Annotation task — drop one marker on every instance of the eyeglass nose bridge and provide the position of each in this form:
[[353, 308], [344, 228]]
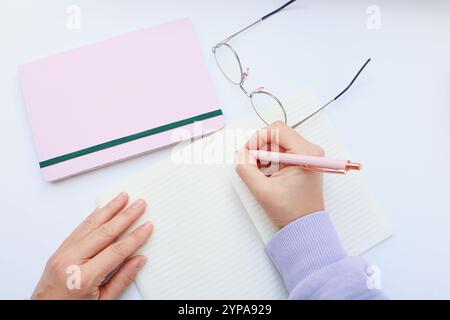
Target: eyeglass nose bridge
[[244, 76], [244, 90]]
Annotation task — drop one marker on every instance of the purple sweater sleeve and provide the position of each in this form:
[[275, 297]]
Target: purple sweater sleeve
[[314, 265]]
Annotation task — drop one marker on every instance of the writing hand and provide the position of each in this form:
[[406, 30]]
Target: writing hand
[[291, 192]]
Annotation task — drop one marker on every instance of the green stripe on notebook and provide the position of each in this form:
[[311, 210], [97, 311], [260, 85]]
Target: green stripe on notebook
[[129, 138]]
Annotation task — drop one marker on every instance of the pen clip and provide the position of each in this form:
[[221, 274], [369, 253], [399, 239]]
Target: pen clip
[[325, 170], [349, 166]]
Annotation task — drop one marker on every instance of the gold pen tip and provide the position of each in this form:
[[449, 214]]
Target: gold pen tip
[[354, 166]]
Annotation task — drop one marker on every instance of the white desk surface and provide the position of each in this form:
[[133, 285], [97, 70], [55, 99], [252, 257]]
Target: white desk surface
[[396, 120]]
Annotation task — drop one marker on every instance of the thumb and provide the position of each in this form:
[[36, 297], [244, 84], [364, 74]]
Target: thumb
[[248, 170]]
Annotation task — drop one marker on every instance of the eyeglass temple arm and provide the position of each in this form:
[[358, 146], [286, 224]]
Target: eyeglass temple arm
[[278, 10], [254, 23], [353, 80], [335, 98]]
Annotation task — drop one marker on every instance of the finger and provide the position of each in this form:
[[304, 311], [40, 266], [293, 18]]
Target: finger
[[248, 170], [277, 134], [110, 258], [122, 278], [110, 231], [97, 218]]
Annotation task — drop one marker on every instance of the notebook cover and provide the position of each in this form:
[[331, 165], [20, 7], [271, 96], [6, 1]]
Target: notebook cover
[[118, 98]]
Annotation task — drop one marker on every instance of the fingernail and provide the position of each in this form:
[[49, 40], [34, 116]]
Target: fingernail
[[141, 263], [146, 226], [139, 204], [120, 196]]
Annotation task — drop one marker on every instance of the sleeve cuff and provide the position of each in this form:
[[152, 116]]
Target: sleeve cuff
[[304, 246]]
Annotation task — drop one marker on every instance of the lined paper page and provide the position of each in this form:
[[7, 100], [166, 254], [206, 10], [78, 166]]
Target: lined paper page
[[359, 223], [204, 245]]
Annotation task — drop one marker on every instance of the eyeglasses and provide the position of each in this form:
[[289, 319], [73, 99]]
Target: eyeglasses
[[230, 64]]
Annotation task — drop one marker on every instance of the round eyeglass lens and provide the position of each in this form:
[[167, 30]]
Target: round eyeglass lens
[[228, 62], [268, 107]]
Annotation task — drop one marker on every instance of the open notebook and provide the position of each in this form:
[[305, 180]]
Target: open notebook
[[205, 246]]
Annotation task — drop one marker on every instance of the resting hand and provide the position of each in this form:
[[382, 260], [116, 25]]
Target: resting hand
[[82, 266]]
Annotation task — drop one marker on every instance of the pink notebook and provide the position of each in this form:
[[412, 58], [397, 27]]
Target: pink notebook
[[118, 98]]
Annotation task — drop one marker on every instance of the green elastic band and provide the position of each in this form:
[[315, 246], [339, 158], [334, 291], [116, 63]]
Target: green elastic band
[[129, 138]]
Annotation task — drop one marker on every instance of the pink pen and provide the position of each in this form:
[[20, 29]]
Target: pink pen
[[307, 162]]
